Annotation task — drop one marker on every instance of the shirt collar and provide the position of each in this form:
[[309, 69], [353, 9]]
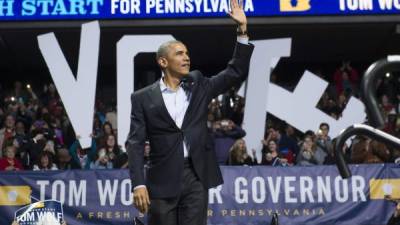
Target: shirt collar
[[163, 85]]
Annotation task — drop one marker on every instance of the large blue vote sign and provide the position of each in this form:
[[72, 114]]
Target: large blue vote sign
[[22, 10], [250, 195]]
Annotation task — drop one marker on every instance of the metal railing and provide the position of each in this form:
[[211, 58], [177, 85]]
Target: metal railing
[[375, 118]]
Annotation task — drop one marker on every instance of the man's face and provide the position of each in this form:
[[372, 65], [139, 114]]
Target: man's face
[[177, 60], [325, 130]]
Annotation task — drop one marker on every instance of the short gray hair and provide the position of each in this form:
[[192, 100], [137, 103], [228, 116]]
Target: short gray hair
[[164, 47]]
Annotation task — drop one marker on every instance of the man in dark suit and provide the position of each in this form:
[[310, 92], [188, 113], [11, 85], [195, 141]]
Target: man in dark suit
[[172, 115]]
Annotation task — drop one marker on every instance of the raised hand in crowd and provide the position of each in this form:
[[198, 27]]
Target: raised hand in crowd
[[31, 92], [49, 147], [38, 137]]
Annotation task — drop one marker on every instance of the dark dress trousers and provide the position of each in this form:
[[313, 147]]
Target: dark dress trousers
[[151, 121]]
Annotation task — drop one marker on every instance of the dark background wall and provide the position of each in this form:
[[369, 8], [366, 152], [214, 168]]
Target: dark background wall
[[318, 44]]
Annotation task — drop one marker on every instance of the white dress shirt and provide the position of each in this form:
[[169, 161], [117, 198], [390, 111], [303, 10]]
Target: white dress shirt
[[177, 103]]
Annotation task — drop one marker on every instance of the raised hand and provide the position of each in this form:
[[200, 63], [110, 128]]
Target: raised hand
[[237, 14]]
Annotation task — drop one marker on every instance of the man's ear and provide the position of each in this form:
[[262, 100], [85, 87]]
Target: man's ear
[[162, 62]]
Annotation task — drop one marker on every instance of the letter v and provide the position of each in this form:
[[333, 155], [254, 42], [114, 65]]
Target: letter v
[[78, 94]]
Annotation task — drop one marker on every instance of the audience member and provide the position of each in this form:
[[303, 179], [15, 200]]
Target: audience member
[[8, 162], [366, 150], [65, 161], [238, 155], [310, 154], [111, 147], [8, 132], [346, 79], [39, 129], [102, 161], [83, 156], [225, 133], [323, 141], [45, 162], [286, 144], [271, 155]]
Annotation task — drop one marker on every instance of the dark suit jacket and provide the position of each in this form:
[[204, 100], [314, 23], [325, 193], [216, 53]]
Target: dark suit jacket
[[151, 121], [393, 220]]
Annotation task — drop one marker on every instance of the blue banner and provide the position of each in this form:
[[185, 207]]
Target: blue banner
[[23, 10], [250, 195]]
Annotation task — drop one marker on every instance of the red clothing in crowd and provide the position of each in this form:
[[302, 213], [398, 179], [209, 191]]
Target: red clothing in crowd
[[338, 79], [4, 163], [8, 135]]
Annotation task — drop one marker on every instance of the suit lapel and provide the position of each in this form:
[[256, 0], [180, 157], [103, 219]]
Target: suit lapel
[[157, 99], [192, 102]]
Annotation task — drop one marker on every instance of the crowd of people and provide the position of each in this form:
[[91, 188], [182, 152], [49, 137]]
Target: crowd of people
[[36, 134], [283, 145]]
